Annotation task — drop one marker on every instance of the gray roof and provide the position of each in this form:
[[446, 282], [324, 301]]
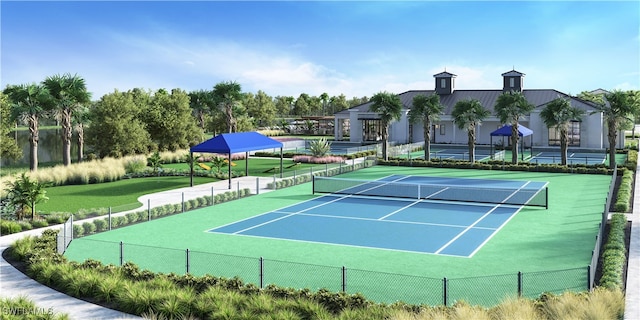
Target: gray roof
[[538, 97], [513, 73], [444, 75]]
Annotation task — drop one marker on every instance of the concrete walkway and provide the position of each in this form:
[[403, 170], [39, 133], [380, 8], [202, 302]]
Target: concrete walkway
[[14, 283], [632, 303]]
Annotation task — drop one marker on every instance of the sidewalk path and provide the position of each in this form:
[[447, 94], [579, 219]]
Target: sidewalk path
[[14, 283]]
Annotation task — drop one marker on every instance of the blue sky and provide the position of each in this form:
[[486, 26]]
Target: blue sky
[[354, 48]]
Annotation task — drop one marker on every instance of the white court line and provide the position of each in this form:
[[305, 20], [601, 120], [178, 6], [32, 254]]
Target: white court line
[[478, 221]]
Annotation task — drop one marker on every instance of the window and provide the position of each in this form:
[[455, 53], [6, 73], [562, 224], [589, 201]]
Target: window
[[442, 130], [443, 83], [512, 82], [371, 130], [573, 135]]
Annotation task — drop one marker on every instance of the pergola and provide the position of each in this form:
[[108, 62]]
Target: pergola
[[505, 131], [230, 143]]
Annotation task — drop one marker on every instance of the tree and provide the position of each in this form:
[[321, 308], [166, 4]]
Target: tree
[[226, 95], [324, 97], [301, 105], [509, 107], [617, 109], [24, 192], [558, 114], [467, 114], [426, 109], [260, 108], [29, 102], [201, 102], [9, 149], [338, 103], [80, 119], [389, 107], [155, 162], [69, 93], [284, 105], [169, 121], [116, 129]]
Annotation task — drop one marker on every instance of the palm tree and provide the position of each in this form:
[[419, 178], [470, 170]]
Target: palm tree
[[509, 107], [617, 109], [226, 95], [324, 97], [427, 109], [81, 118], [69, 93], [389, 107], [468, 114], [558, 114], [24, 192], [28, 103]]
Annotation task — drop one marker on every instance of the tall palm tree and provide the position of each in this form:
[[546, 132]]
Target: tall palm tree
[[617, 109], [29, 102], [80, 119], [226, 96], [510, 107], [389, 107], [467, 114], [427, 109], [558, 114], [324, 97], [69, 93]]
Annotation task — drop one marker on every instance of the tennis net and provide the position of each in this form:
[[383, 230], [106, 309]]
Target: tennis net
[[537, 197]]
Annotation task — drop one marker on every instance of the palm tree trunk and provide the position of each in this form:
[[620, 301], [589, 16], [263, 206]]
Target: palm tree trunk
[[427, 139], [611, 134], [385, 139], [33, 142], [563, 145], [80, 130], [67, 132], [471, 134], [514, 142]]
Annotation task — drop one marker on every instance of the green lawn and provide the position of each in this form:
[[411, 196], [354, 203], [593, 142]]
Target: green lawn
[[123, 194], [552, 248]]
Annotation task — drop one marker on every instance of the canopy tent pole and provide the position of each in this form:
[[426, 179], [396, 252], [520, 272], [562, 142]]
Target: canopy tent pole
[[281, 162], [191, 169], [229, 161], [491, 147], [246, 163]]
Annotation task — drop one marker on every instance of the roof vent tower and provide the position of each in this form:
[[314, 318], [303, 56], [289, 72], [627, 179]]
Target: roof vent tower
[[512, 81], [445, 82]]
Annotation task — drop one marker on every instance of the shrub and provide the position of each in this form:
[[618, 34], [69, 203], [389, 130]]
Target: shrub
[[614, 255], [134, 165], [78, 230], [89, 228], [39, 223], [25, 225], [623, 199], [101, 224], [9, 227], [319, 148]]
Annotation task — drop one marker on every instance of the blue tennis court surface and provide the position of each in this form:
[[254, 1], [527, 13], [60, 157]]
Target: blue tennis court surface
[[414, 225]]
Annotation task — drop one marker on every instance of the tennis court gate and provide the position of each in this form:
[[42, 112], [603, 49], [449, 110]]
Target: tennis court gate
[[65, 236]]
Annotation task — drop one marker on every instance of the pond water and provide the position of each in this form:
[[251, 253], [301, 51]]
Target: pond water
[[49, 146]]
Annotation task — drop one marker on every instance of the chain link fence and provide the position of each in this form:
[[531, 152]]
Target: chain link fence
[[376, 286]]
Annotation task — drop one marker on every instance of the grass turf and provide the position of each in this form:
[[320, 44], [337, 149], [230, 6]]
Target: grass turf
[[123, 194], [551, 247]]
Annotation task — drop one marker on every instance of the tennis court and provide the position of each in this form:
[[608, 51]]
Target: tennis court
[[393, 212], [572, 158], [532, 240]]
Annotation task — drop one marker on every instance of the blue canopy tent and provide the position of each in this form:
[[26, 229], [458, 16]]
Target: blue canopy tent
[[505, 131], [229, 143]]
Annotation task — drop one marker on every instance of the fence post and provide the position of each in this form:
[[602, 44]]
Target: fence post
[[444, 291], [188, 264], [109, 218], [257, 185], [589, 276], [274, 181], [149, 209], [121, 254], [261, 273], [326, 169], [183, 202], [344, 279], [238, 187], [519, 284], [213, 198]]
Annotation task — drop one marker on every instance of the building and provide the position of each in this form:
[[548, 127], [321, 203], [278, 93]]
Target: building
[[365, 125]]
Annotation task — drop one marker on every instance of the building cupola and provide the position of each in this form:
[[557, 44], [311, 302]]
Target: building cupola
[[512, 81], [445, 82]]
